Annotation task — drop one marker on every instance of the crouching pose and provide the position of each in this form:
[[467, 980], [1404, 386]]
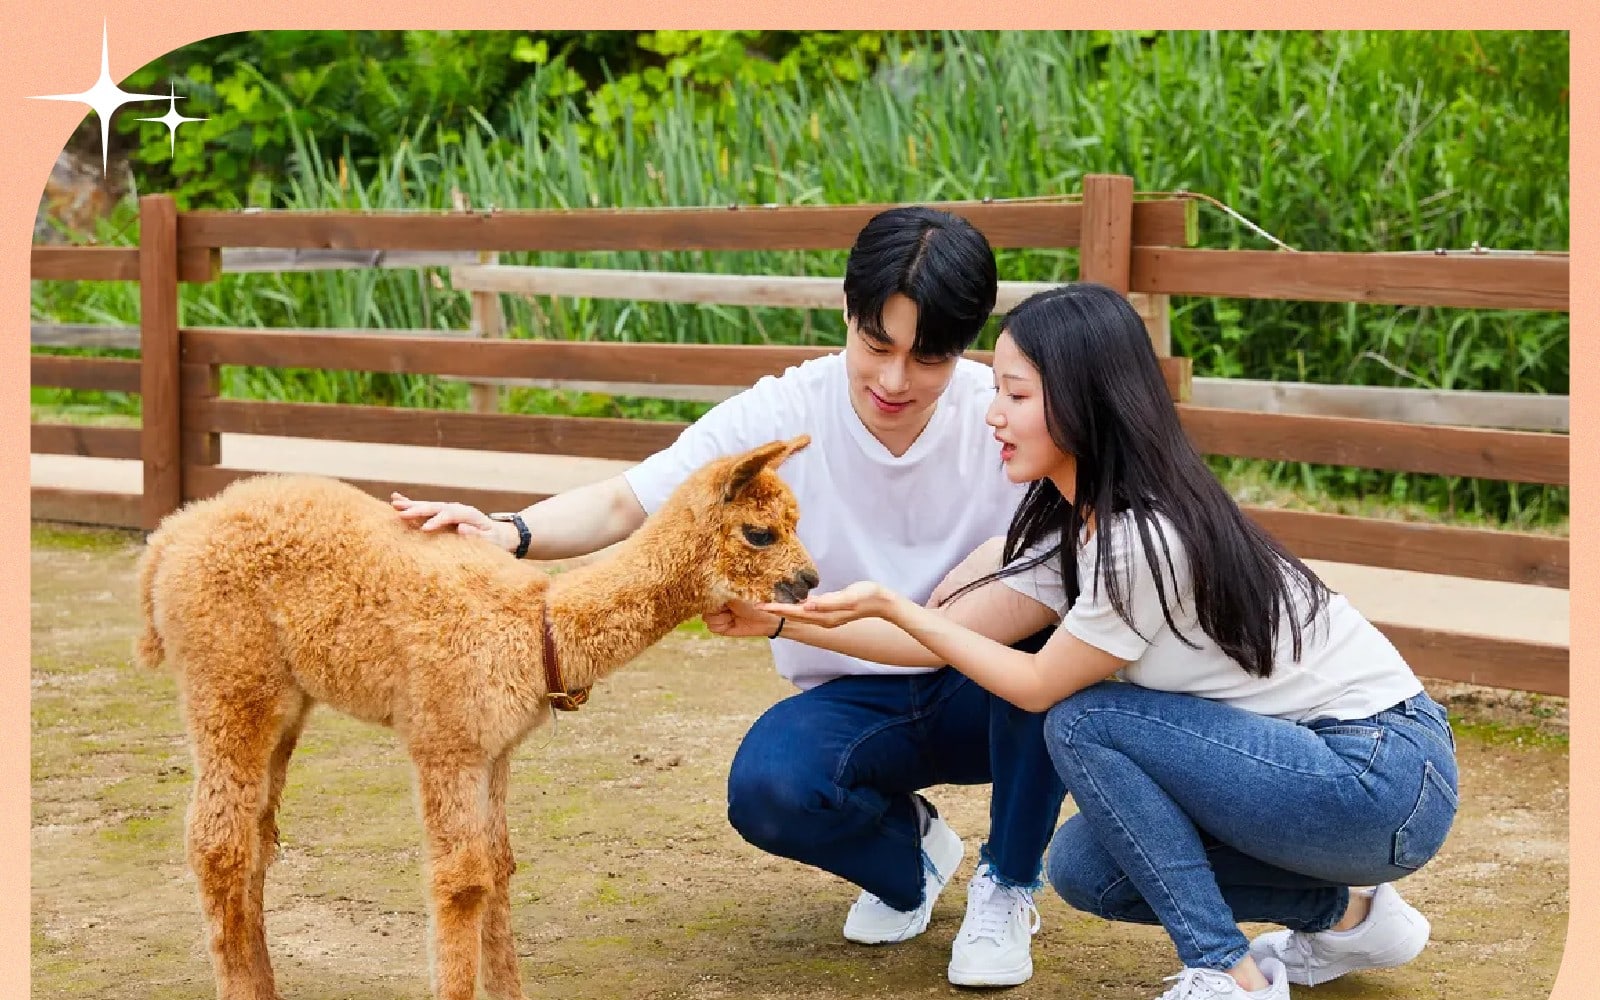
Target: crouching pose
[[1266, 749]]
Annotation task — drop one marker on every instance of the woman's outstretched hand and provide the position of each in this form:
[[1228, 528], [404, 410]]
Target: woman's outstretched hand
[[859, 600]]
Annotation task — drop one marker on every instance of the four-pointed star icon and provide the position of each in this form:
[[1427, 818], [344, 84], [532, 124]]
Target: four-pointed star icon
[[105, 97]]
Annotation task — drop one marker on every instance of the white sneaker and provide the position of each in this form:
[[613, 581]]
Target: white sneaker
[[1392, 934], [872, 921], [992, 947], [1210, 984]]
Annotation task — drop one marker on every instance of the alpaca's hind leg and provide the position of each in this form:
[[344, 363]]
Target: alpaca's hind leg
[[501, 978], [233, 745], [453, 793], [296, 709]]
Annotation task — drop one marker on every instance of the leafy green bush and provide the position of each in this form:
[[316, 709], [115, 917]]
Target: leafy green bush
[[354, 94]]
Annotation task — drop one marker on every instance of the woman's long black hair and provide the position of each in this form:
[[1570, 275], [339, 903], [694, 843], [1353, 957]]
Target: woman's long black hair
[[1107, 405]]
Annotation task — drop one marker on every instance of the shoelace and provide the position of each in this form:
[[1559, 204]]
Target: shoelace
[[1304, 945], [994, 908], [1199, 984]]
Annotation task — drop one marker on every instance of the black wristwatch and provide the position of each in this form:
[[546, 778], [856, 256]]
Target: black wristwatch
[[523, 536]]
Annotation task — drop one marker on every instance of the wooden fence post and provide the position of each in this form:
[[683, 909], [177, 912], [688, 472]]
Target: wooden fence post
[[487, 320], [199, 388], [1155, 308], [1105, 255], [160, 438]]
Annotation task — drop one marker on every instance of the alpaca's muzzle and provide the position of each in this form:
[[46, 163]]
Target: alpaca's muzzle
[[796, 588]]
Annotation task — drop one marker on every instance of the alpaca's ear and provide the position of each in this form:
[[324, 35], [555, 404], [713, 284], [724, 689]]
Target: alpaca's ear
[[747, 466]]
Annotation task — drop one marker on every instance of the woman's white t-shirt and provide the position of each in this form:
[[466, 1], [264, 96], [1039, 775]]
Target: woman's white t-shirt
[[1347, 668], [865, 514]]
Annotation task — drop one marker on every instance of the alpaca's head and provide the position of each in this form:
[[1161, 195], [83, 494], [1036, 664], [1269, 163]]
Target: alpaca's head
[[749, 515]]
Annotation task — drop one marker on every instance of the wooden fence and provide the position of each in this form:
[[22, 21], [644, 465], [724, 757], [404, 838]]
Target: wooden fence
[[1139, 247]]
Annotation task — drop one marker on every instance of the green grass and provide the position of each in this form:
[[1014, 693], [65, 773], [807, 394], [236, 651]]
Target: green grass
[[695, 627], [80, 539], [1494, 733]]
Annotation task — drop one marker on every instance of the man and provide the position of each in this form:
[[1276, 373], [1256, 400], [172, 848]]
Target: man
[[901, 481]]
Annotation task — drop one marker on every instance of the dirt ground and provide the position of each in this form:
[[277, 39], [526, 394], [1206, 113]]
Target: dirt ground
[[631, 882]]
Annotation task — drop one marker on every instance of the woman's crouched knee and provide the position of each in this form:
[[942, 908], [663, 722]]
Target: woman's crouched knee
[[1085, 878]]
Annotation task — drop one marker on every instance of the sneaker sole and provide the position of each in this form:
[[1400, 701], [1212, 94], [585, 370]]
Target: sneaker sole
[[1001, 977], [1331, 972], [905, 935]]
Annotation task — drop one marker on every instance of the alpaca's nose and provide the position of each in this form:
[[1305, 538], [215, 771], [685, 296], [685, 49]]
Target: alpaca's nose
[[796, 588]]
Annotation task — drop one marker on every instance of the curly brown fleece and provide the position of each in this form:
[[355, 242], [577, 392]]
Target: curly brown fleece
[[284, 591]]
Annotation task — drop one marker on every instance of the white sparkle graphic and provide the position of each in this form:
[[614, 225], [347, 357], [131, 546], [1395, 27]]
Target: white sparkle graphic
[[172, 120], [105, 97]]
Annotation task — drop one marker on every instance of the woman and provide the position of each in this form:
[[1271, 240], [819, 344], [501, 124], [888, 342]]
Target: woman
[[1269, 748]]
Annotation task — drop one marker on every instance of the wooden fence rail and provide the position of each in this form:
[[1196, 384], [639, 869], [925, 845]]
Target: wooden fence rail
[[805, 227], [1473, 553], [597, 361], [1393, 278], [780, 291], [1455, 407]]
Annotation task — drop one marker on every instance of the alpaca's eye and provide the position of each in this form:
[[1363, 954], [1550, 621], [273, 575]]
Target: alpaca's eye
[[759, 537]]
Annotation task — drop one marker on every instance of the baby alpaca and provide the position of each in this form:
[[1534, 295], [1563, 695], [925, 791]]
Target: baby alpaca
[[284, 591]]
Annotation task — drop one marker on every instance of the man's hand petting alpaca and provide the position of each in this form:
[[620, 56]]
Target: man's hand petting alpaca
[[466, 520], [739, 620]]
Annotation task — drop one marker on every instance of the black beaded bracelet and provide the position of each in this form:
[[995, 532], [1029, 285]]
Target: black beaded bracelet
[[524, 536]]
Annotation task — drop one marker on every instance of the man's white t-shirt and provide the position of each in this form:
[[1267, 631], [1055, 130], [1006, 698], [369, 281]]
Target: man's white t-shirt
[[1347, 669], [865, 514]]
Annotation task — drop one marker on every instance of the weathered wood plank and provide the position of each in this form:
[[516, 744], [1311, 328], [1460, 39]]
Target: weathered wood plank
[[78, 439], [1541, 667], [1511, 456], [591, 437], [791, 227], [63, 372], [159, 377], [196, 264], [1488, 282], [1475, 553], [202, 481], [112, 510]]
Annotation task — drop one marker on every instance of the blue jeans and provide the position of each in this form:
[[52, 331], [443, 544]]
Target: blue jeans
[[1198, 816], [825, 777]]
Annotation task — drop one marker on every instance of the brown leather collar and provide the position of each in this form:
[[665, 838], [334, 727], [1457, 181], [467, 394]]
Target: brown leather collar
[[560, 697]]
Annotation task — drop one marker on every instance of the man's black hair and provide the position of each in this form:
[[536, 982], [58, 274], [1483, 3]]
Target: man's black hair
[[939, 261]]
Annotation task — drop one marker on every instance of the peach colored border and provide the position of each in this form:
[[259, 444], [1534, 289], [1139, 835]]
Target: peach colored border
[[55, 52], [1580, 966]]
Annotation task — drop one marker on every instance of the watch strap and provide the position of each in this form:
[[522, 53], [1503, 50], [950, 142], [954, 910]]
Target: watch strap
[[524, 536]]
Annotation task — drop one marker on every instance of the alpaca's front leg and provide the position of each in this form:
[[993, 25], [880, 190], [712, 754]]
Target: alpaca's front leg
[[461, 873], [501, 978]]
